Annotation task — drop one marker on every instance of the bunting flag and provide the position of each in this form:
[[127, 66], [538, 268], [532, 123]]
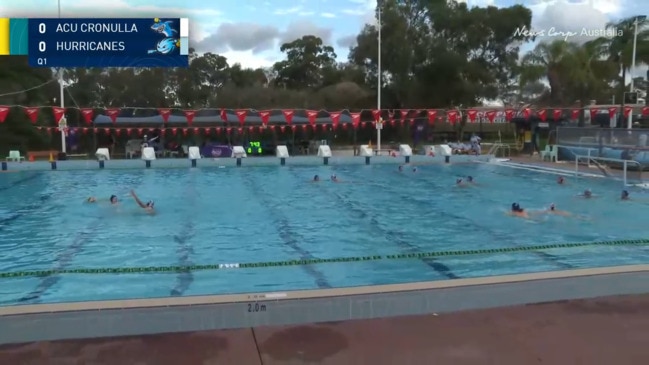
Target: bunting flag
[[593, 113], [335, 119], [4, 111], [224, 115], [432, 115], [189, 115], [574, 114], [627, 111], [391, 116], [612, 111], [32, 114], [452, 116], [472, 114], [376, 115], [356, 119], [112, 114], [491, 116], [509, 114], [404, 114], [526, 113], [543, 114], [265, 117], [164, 113], [58, 113], [241, 115], [311, 115], [645, 110], [288, 116], [556, 114], [87, 114]]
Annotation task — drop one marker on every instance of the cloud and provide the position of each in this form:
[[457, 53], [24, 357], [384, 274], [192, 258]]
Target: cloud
[[240, 37], [247, 59], [346, 42], [576, 22], [328, 15], [301, 28], [288, 11]]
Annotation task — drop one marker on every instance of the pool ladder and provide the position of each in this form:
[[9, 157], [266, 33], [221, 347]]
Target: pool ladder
[[504, 149]]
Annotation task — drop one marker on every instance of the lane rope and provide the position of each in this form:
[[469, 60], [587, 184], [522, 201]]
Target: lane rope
[[267, 264]]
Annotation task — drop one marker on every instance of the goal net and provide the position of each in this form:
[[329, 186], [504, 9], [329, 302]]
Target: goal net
[[629, 171]]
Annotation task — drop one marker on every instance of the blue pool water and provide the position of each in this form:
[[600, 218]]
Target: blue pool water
[[241, 215]]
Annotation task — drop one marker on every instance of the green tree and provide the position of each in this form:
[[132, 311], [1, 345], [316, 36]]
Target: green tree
[[306, 59]]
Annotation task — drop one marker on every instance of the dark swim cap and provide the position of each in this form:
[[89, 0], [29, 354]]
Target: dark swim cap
[[113, 197]]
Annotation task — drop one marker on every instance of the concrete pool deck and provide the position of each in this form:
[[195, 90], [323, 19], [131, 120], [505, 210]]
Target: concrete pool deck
[[46, 322], [601, 331]]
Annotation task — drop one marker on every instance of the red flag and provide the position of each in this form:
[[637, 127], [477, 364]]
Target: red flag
[[356, 119], [509, 114], [391, 115], [543, 114], [197, 131], [491, 115], [118, 131], [452, 116], [224, 115], [288, 116], [164, 113], [574, 114], [84, 130], [526, 113], [593, 113], [472, 114], [87, 115], [645, 111], [32, 114], [112, 114], [174, 131], [282, 128], [612, 111], [241, 115], [190, 114], [335, 118], [128, 131], [185, 131], [140, 131], [627, 110], [58, 113], [4, 111], [556, 114], [107, 131], [265, 117], [432, 114], [376, 114], [363, 124], [404, 114], [311, 115], [251, 129]]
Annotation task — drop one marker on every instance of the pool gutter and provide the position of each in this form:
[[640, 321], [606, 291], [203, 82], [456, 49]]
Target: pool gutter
[[46, 322]]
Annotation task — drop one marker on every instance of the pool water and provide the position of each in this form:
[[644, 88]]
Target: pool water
[[242, 215]]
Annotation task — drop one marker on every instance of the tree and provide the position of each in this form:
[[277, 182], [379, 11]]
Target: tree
[[306, 59]]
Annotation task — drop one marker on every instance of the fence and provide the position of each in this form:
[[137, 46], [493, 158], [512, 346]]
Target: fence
[[623, 139]]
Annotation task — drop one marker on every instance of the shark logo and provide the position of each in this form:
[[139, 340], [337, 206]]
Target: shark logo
[[163, 28]]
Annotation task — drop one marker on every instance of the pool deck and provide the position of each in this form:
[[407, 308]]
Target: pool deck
[[608, 330]]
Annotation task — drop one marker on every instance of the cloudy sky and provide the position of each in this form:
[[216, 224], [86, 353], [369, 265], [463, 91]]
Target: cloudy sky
[[250, 31]]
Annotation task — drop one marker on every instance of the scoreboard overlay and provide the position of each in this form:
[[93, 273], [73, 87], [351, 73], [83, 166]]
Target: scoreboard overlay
[[97, 42]]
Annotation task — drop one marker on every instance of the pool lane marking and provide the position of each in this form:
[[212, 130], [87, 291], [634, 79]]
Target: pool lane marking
[[395, 237], [498, 236], [287, 235], [61, 263], [284, 263], [185, 278], [20, 181]]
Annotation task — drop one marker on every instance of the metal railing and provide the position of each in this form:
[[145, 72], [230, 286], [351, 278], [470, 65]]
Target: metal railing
[[594, 160], [498, 146]]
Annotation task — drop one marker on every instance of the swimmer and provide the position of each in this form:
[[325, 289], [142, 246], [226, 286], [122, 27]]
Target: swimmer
[[587, 194], [148, 207], [113, 199], [334, 178], [459, 182], [625, 195], [316, 178], [400, 168], [469, 179], [560, 180], [517, 211], [414, 169], [552, 209]]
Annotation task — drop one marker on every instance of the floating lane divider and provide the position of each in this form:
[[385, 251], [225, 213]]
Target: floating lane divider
[[407, 256]]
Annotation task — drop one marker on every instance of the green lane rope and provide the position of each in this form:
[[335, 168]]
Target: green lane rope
[[418, 255]]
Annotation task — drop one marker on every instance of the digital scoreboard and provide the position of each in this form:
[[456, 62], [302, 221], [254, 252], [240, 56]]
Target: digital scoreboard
[[97, 42]]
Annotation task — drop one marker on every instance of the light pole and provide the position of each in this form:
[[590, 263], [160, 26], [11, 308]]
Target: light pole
[[62, 98], [629, 122], [379, 123]]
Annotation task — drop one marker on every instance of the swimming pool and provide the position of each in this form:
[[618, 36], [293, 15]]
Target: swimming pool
[[266, 214]]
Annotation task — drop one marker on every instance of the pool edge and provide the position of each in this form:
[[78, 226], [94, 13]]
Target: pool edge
[[149, 316]]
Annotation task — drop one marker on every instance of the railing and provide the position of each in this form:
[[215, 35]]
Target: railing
[[595, 161], [498, 146]]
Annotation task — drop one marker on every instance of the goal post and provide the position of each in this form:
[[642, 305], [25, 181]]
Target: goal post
[[630, 172]]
